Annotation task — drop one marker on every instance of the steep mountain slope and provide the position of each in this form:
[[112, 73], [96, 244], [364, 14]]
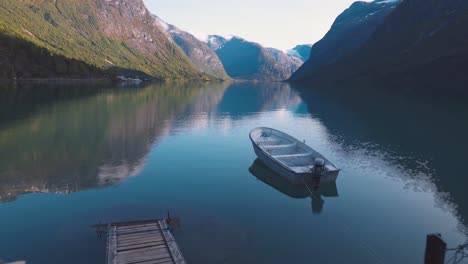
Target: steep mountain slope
[[422, 40], [22, 59], [118, 34], [301, 51], [289, 63], [250, 61], [196, 50], [348, 33]]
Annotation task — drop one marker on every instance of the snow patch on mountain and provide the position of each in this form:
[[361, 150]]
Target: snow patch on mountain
[[293, 53], [382, 2]]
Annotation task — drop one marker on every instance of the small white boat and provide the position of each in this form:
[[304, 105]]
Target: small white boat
[[290, 157]]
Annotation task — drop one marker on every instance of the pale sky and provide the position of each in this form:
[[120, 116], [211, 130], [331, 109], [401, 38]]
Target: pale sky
[[280, 24]]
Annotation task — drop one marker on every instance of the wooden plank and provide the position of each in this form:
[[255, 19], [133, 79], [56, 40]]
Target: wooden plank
[[153, 261], [156, 247], [136, 228], [146, 241], [144, 251], [143, 257], [143, 237], [173, 248], [111, 245], [147, 244], [128, 236], [136, 247], [139, 240], [137, 254], [157, 261], [121, 227], [138, 232], [138, 243]]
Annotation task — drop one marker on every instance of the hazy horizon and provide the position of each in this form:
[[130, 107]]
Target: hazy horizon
[[300, 21]]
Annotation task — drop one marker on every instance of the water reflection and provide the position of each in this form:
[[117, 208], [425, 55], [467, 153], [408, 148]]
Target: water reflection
[[417, 140], [63, 138], [402, 162], [314, 190], [249, 99], [98, 140]]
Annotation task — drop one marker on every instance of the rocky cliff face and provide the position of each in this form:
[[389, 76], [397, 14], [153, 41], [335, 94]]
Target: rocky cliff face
[[118, 34], [202, 56]]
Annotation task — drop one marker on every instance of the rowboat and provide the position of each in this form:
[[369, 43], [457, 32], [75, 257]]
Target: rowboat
[[291, 158]]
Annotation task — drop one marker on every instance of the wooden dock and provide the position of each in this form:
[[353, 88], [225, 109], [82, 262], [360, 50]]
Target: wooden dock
[[142, 242]]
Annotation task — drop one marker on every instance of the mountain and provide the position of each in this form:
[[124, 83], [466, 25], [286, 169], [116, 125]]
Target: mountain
[[422, 43], [215, 41], [247, 60], [289, 63], [197, 51], [348, 33], [108, 35], [300, 51]]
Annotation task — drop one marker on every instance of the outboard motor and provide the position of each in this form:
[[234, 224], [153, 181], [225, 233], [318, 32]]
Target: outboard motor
[[319, 167]]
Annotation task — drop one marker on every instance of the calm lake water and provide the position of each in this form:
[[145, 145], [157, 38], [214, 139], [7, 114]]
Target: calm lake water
[[76, 155]]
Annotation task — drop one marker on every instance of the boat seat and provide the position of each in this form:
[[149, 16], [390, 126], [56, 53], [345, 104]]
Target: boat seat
[[293, 155], [268, 142], [272, 147], [301, 169]]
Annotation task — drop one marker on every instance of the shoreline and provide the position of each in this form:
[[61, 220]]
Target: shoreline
[[55, 79]]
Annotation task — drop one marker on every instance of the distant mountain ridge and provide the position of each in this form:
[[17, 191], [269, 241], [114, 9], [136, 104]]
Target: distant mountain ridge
[[196, 50], [108, 35], [247, 60]]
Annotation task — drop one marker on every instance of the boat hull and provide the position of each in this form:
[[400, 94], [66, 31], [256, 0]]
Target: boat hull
[[291, 176]]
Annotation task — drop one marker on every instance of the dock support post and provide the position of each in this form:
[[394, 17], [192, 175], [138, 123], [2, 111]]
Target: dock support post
[[435, 249]]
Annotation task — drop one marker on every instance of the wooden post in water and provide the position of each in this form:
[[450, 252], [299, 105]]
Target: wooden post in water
[[435, 249]]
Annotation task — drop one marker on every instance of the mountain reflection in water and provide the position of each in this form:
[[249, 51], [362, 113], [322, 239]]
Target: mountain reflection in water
[[100, 140], [51, 145]]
